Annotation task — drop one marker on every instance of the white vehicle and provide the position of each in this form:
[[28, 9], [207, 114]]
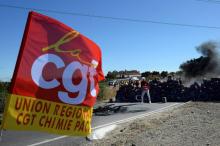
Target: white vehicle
[[113, 83]]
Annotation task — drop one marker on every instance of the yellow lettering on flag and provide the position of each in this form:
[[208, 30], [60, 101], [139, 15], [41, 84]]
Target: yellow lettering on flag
[[28, 113]]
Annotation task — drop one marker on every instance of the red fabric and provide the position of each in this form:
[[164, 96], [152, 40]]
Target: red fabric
[[42, 31], [145, 85]]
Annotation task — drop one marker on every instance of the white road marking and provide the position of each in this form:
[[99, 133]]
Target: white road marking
[[48, 140], [101, 132], [116, 122]]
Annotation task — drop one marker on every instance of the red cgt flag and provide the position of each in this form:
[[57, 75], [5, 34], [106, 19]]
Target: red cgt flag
[[55, 82]]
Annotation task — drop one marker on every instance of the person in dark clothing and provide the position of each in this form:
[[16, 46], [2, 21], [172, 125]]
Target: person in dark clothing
[[137, 84]]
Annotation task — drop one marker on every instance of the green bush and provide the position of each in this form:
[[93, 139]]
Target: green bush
[[106, 92]]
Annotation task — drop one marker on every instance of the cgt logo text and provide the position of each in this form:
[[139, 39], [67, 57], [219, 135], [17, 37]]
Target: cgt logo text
[[85, 68]]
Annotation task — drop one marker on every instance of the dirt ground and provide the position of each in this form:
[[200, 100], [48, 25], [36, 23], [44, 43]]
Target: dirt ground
[[195, 123]]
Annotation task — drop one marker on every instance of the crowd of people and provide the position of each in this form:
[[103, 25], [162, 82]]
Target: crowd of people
[[173, 89]]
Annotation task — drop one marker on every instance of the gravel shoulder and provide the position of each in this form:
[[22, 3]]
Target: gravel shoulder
[[195, 123]]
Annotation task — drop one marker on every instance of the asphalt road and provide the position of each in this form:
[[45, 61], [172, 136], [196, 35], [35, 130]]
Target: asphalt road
[[30, 138]]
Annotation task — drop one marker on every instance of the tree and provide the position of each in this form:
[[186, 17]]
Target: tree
[[164, 74], [4, 86], [172, 74], [146, 74], [179, 73], [111, 75], [155, 73]]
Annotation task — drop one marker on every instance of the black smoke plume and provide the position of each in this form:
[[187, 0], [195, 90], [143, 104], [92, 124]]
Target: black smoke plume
[[208, 65]]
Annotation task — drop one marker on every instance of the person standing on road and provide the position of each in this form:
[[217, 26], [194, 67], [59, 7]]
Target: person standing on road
[[145, 90]]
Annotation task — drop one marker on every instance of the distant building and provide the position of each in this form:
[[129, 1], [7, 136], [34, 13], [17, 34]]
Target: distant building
[[128, 74]]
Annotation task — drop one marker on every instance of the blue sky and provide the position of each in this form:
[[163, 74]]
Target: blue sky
[[125, 45]]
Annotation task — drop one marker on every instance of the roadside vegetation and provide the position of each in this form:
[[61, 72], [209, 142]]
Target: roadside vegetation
[[106, 92], [4, 86]]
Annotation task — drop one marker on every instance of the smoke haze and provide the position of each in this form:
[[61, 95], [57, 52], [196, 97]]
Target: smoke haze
[[206, 66]]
